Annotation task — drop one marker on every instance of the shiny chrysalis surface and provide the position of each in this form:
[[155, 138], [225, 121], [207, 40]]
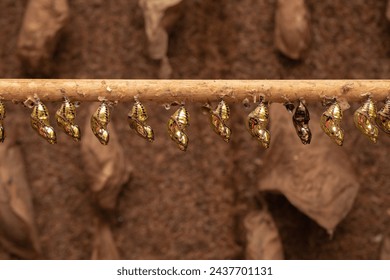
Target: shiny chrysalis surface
[[364, 118], [2, 117], [383, 117], [301, 120], [257, 122], [137, 121], [99, 122], [65, 117], [40, 122], [176, 127], [289, 107], [218, 119], [331, 123]]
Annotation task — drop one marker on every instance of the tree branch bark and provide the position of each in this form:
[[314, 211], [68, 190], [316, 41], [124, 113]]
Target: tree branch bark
[[169, 91]]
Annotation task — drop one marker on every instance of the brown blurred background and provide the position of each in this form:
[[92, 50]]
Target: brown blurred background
[[199, 204]]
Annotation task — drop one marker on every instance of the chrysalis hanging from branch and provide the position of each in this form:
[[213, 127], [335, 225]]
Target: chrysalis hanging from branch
[[99, 123], [65, 117], [257, 123], [40, 122], [383, 117], [331, 123], [364, 118], [301, 120], [137, 121], [218, 119], [176, 127]]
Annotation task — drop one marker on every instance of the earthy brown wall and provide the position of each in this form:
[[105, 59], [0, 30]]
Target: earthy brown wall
[[189, 205]]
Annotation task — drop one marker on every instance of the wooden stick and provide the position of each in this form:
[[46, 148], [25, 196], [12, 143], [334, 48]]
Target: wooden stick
[[169, 91]]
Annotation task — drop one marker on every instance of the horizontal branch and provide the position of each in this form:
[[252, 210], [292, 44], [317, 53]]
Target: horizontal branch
[[169, 91]]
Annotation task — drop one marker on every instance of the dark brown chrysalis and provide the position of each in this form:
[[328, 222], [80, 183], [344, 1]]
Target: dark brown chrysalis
[[301, 120]]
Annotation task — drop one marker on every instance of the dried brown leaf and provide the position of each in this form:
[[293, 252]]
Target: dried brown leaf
[[165, 69], [104, 247], [18, 233], [4, 255], [385, 248], [262, 237], [171, 15], [106, 166], [292, 28], [160, 15], [388, 10], [318, 179], [43, 22]]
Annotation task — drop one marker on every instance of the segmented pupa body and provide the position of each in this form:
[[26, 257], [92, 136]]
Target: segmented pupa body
[[176, 127], [301, 120], [383, 117], [65, 117], [364, 118], [331, 123], [40, 122], [99, 123], [218, 119], [257, 122], [137, 121]]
